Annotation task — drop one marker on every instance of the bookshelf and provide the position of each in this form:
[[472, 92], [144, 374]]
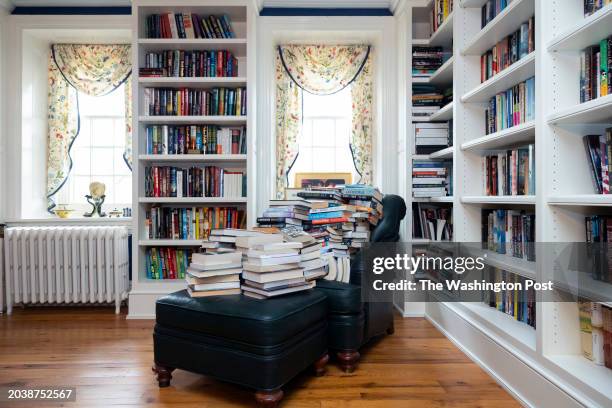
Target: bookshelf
[[243, 16], [539, 362]]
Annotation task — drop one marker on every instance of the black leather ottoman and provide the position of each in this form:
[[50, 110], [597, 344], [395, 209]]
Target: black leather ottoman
[[260, 344]]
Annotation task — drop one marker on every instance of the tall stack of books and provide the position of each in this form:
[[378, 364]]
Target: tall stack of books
[[271, 266], [595, 70], [433, 223], [426, 100], [508, 51], [511, 172], [214, 274], [509, 232], [430, 137], [281, 213], [429, 178], [511, 107], [426, 61]]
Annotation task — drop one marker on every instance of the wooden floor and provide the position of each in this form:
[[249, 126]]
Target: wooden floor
[[108, 359]]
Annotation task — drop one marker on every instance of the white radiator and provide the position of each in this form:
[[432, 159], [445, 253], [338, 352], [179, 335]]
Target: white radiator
[[66, 265]]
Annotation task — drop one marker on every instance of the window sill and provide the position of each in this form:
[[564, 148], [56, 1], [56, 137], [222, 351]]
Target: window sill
[[72, 221]]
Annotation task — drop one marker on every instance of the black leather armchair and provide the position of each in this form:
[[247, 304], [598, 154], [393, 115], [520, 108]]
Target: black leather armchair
[[352, 323]]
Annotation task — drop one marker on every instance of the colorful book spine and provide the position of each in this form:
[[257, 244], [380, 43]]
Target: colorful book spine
[[186, 63], [166, 262], [193, 223], [509, 232], [511, 107], [195, 102], [207, 181], [195, 139], [188, 25], [511, 172]]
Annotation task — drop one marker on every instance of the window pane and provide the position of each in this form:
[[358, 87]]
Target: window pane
[[323, 132], [80, 160], [121, 169], [123, 190], [325, 159], [306, 136], [119, 132], [102, 161], [80, 188], [84, 137], [102, 134], [343, 132]]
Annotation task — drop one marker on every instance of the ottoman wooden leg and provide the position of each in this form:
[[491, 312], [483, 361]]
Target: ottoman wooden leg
[[164, 375], [269, 399], [348, 360], [319, 365]]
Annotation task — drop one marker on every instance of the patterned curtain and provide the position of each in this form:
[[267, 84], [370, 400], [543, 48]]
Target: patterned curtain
[[362, 93], [95, 70], [288, 122], [323, 70]]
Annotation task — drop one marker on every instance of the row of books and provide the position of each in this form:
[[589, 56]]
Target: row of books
[[191, 222], [207, 181], [188, 25], [511, 107], [509, 232], [431, 137], [195, 102], [511, 172], [430, 222], [508, 51], [439, 13], [591, 6], [186, 63], [520, 304], [430, 178], [595, 70], [195, 139], [599, 154], [491, 9], [166, 262], [598, 229], [596, 332], [427, 60]]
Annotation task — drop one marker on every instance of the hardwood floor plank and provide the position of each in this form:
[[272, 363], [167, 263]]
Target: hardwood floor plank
[[108, 359]]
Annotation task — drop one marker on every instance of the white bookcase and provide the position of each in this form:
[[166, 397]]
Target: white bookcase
[[243, 17], [542, 367]]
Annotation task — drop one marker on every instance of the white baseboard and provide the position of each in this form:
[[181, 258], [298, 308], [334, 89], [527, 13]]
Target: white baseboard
[[526, 385]]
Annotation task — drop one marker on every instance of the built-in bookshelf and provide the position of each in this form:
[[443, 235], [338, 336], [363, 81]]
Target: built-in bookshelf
[[192, 132], [538, 361]]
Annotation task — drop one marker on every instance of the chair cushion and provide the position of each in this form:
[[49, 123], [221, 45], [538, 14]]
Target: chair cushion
[[256, 322], [341, 297]]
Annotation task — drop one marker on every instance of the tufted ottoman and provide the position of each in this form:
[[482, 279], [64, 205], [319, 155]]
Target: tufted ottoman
[[260, 344]]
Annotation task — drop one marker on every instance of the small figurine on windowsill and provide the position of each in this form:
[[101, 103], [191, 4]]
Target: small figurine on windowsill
[[96, 198]]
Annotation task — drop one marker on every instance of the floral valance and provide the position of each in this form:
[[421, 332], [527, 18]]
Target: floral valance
[[95, 69], [323, 69]]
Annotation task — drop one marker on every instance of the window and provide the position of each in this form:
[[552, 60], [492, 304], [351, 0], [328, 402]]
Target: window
[[325, 136], [97, 153]]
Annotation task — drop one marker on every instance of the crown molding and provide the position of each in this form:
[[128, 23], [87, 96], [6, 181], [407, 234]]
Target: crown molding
[[396, 6]]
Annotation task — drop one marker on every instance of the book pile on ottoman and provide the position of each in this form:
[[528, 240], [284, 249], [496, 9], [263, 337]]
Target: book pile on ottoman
[[214, 274]]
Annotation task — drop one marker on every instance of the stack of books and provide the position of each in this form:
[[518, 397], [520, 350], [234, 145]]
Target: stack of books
[[509, 232], [426, 100], [599, 155], [429, 178], [511, 172], [595, 70], [214, 274], [433, 223], [188, 63], [426, 61], [195, 139], [508, 51], [430, 137], [596, 332], [207, 181], [271, 266], [188, 25], [282, 213], [511, 107]]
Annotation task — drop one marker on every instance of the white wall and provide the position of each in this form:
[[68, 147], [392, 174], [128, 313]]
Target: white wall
[[377, 31], [24, 163]]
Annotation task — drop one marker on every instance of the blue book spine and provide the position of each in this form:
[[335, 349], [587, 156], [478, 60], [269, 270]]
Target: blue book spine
[[330, 214]]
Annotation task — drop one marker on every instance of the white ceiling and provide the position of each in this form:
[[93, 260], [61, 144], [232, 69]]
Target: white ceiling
[[266, 3]]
